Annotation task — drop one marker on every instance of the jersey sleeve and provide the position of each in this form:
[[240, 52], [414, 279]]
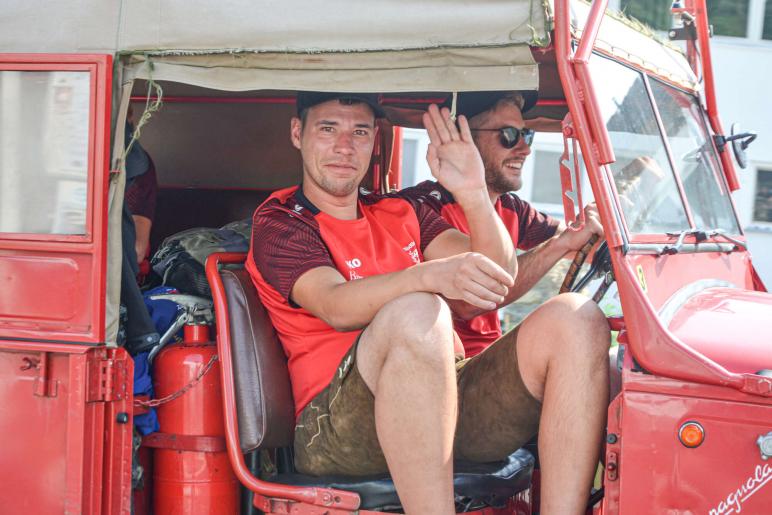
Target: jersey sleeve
[[427, 193], [430, 223], [285, 247], [535, 226], [142, 192]]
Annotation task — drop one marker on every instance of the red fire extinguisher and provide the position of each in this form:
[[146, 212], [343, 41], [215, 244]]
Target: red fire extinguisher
[[191, 471]]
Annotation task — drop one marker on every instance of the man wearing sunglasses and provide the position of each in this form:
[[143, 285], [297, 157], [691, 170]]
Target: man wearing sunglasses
[[559, 350], [499, 132]]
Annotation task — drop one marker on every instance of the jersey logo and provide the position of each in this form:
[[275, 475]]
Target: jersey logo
[[412, 251], [353, 264], [298, 208], [436, 194]]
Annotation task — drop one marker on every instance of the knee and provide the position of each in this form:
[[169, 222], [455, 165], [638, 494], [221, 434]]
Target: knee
[[582, 326], [418, 323], [416, 312]]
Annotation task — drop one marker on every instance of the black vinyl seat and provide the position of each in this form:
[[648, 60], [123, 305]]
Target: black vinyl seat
[[475, 484], [266, 414]]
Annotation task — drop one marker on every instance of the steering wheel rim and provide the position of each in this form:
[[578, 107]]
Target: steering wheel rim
[[579, 258]]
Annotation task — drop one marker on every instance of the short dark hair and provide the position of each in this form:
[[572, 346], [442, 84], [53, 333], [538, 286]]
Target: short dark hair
[[348, 101]]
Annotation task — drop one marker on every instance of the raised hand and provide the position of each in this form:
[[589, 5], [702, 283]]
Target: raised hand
[[452, 155]]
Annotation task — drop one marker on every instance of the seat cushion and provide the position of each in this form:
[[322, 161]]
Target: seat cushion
[[490, 484]]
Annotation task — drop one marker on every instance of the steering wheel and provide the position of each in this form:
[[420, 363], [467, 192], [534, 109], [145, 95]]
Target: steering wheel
[[601, 266]]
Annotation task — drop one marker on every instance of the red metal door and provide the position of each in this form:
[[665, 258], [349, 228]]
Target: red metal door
[[65, 399], [54, 150]]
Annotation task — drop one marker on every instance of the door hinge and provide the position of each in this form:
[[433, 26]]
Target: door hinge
[[108, 380]]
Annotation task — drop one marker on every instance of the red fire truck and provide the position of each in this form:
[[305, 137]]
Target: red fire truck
[[212, 87]]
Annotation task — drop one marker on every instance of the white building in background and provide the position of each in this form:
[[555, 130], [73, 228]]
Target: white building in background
[[742, 64]]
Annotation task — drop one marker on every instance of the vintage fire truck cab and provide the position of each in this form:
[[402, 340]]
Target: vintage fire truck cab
[[212, 89]]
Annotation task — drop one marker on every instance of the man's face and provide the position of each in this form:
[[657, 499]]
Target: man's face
[[336, 143], [503, 166]]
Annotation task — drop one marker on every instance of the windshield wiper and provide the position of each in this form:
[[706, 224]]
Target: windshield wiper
[[675, 248], [720, 232], [700, 235]]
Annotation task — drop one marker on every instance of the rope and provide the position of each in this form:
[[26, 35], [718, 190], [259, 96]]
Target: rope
[[152, 403], [151, 106]]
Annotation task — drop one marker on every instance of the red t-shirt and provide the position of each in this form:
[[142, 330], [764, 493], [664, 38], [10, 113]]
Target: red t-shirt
[[290, 236], [527, 227]]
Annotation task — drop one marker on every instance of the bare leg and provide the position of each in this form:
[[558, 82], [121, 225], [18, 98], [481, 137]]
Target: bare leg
[[405, 357], [562, 351]]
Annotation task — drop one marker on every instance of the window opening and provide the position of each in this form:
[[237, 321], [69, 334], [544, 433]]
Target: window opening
[[762, 201], [44, 144], [728, 17], [767, 31]]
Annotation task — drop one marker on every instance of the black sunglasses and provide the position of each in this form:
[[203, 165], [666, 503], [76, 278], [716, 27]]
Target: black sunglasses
[[510, 136]]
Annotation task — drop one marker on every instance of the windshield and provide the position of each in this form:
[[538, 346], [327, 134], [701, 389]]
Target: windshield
[[695, 159], [657, 196], [648, 193]]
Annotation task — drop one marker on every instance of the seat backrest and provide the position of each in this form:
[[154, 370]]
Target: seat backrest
[[266, 417]]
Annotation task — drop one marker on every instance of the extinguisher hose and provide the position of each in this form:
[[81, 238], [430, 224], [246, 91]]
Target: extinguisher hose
[[152, 403]]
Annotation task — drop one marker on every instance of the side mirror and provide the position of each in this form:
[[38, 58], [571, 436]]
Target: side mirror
[[740, 142]]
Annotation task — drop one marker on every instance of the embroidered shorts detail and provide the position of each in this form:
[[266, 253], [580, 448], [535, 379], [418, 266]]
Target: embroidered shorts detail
[[336, 432]]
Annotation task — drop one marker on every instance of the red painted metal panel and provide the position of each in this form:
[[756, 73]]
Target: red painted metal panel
[[730, 326], [53, 286], [62, 443], [27, 278], [665, 275], [725, 473]]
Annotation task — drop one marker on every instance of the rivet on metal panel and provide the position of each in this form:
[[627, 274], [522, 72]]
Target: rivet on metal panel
[[612, 466]]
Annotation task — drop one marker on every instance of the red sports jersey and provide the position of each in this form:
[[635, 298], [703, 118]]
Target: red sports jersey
[[290, 236], [527, 227]]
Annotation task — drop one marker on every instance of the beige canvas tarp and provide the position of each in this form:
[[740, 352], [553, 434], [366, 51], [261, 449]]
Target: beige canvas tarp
[[265, 26]]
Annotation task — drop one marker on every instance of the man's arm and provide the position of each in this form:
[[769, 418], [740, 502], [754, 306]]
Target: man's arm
[[455, 162], [142, 226], [540, 259], [348, 305], [536, 262]]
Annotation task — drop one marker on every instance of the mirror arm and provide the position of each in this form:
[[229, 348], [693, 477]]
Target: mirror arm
[[722, 140]]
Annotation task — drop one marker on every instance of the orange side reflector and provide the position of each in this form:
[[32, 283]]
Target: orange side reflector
[[691, 434]]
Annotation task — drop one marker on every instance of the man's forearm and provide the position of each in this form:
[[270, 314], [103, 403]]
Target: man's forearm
[[533, 265], [487, 233], [352, 305]]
